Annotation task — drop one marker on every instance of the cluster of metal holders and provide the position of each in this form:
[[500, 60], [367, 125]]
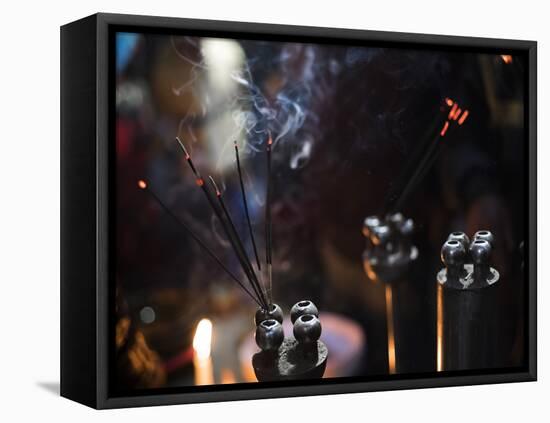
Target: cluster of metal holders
[[466, 308], [467, 264], [389, 248], [298, 357]]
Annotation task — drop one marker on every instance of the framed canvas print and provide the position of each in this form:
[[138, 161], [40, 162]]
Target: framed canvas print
[[255, 211]]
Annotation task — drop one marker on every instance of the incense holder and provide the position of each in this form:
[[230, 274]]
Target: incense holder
[[467, 264], [468, 312], [307, 329], [269, 335], [303, 356], [301, 308], [389, 250], [275, 312]]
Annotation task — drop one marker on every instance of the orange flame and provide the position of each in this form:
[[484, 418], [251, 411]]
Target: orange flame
[[142, 184], [449, 102], [463, 117]]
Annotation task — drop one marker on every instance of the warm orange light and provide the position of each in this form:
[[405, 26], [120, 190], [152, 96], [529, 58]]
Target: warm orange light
[[453, 111], [202, 360], [202, 340], [200, 182], [142, 184], [506, 58], [269, 141], [449, 102], [439, 346], [444, 129], [457, 114], [463, 117], [391, 333], [227, 376]]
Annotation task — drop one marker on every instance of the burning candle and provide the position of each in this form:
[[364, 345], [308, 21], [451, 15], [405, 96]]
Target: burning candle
[[202, 360]]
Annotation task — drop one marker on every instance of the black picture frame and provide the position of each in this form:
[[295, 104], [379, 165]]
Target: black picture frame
[[86, 198]]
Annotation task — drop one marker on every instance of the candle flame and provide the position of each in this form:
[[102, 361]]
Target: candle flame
[[142, 184], [202, 340]]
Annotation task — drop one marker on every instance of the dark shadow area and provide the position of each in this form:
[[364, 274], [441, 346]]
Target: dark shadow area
[[51, 387]]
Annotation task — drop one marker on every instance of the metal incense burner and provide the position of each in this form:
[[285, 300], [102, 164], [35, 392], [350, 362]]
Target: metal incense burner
[[467, 311], [302, 356], [389, 250], [387, 259]]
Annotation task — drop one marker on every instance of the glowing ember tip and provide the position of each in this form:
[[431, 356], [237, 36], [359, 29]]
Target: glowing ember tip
[[449, 102], [444, 129], [187, 156], [200, 182], [457, 114], [218, 193], [142, 184], [463, 117], [453, 111]]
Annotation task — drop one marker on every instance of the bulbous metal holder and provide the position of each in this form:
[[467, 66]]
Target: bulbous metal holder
[[302, 356], [389, 250], [468, 315], [387, 259], [467, 263]]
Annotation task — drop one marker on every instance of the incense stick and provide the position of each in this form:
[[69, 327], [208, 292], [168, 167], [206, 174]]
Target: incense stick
[[245, 204], [234, 238], [419, 172], [268, 234], [143, 185], [437, 131], [242, 260]]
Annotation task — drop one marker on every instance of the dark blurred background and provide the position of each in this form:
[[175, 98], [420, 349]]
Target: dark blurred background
[[345, 121]]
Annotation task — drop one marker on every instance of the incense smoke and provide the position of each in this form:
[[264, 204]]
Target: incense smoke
[[253, 89]]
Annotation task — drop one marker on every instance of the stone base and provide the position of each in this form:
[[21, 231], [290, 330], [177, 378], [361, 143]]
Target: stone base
[[291, 361]]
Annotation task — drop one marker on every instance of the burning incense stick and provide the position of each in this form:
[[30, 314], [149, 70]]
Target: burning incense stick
[[236, 240], [268, 238], [245, 204], [243, 259], [143, 185], [395, 202]]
